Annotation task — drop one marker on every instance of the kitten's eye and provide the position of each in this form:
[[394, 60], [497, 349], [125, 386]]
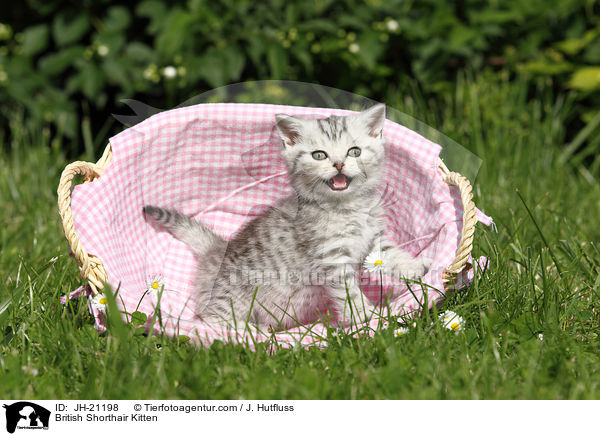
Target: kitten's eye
[[319, 155], [354, 152]]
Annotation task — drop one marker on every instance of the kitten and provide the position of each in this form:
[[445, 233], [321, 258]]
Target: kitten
[[309, 247]]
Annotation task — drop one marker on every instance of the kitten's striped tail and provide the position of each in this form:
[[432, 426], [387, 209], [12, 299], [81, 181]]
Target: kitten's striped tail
[[184, 228]]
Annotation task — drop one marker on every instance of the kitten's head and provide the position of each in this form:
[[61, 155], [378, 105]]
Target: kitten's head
[[336, 158]]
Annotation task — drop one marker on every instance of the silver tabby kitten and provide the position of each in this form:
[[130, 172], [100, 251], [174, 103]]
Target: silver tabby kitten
[[308, 248]]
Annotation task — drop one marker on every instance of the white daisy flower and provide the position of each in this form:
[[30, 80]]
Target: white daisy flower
[[170, 72], [156, 284], [541, 336], [401, 331], [375, 262], [452, 321], [99, 302]]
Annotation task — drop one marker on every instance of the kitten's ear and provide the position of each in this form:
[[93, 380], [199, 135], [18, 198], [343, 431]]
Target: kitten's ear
[[289, 128], [374, 119]]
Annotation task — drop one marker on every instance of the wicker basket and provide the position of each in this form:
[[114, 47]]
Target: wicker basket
[[449, 274]]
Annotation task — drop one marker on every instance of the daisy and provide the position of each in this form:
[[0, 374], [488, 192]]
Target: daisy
[[155, 284], [375, 262], [452, 321], [99, 302], [400, 331]]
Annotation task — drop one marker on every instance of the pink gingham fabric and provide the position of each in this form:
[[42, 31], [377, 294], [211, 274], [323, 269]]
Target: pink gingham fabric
[[221, 164]]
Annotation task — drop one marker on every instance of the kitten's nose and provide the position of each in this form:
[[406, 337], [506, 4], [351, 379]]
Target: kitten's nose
[[339, 166]]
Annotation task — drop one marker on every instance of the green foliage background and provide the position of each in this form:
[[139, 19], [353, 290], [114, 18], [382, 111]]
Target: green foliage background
[[68, 64]]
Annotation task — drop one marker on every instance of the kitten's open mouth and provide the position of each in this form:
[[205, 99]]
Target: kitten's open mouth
[[339, 182]]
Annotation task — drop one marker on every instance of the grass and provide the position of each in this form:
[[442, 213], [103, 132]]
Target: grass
[[544, 280]]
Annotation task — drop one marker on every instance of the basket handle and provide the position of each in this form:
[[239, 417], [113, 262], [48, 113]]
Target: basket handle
[[468, 228], [90, 266]]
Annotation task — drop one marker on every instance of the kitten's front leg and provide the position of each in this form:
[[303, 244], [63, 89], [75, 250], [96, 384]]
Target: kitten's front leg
[[351, 305]]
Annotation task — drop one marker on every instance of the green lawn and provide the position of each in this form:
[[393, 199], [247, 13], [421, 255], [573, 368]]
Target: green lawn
[[544, 279]]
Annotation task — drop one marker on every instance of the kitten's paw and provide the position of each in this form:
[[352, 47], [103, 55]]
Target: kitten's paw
[[415, 269]]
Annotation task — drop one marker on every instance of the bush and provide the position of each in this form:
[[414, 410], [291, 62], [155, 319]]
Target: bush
[[66, 62]]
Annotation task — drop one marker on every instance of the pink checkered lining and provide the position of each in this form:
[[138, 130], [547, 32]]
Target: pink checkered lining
[[221, 164]]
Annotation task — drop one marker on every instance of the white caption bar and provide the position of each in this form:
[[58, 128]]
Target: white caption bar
[[156, 417]]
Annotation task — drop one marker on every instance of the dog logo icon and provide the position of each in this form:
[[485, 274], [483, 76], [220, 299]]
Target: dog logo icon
[[26, 415]]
